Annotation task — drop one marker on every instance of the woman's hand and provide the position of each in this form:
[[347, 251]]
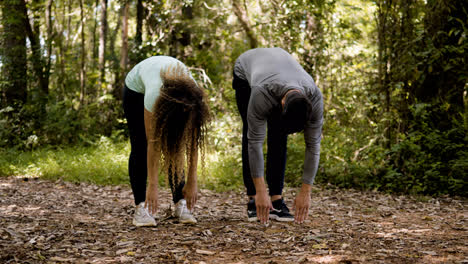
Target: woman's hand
[[151, 202], [190, 194]]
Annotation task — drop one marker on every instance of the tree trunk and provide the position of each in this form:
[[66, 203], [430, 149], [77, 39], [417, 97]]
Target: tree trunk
[[50, 38], [83, 57], [113, 50], [102, 43], [382, 58], [95, 46], [123, 53], [139, 23], [14, 60], [39, 66]]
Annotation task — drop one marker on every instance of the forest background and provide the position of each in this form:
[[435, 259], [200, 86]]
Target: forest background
[[393, 73]]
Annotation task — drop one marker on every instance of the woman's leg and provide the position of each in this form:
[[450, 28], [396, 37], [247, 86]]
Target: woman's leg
[[137, 170], [243, 90], [176, 188]]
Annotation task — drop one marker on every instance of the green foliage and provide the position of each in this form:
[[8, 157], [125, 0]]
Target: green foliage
[[295, 160], [104, 162], [60, 123], [223, 173], [427, 160]]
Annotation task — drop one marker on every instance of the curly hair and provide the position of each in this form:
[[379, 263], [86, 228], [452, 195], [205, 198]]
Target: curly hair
[[180, 116]]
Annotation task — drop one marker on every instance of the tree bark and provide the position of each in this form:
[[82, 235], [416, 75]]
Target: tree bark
[[14, 59]]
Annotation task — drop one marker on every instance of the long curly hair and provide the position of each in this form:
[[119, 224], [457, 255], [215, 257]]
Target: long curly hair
[[180, 116]]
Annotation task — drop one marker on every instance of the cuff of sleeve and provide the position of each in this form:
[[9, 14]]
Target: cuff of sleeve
[[256, 175], [308, 181]]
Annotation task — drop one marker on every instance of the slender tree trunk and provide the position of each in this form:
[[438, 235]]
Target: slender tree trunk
[[115, 68], [102, 43], [139, 23], [123, 53], [50, 38], [83, 57], [38, 63], [95, 46], [14, 60], [383, 10], [181, 34]]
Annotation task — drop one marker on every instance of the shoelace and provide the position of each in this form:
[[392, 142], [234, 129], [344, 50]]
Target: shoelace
[[146, 212]]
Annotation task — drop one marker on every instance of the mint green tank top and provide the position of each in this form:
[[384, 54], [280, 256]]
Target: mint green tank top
[[145, 77]]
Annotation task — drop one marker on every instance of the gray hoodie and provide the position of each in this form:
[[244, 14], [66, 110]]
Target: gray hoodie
[[271, 72]]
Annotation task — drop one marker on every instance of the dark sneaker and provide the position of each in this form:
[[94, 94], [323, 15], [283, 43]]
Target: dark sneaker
[[280, 211], [251, 211]]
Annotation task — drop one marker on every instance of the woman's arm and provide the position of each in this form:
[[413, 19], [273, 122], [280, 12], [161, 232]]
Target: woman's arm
[[153, 159]]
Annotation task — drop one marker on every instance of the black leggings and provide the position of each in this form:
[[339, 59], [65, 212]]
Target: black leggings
[[134, 113], [276, 143]]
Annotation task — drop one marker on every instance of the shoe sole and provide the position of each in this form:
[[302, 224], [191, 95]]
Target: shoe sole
[[252, 219], [277, 218], [143, 224]]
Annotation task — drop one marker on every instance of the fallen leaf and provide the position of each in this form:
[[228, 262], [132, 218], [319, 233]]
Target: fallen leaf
[[204, 252]]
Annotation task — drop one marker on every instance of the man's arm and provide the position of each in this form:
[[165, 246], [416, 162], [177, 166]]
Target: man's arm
[[312, 138], [256, 119]]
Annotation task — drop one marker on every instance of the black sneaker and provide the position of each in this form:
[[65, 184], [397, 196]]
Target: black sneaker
[[251, 211], [280, 211]]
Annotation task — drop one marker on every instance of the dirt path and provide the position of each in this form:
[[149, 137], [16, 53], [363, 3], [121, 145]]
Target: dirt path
[[46, 222]]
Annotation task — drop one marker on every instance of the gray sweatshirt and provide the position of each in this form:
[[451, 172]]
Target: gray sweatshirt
[[271, 72]]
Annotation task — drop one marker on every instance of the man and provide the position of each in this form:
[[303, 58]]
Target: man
[[273, 91]]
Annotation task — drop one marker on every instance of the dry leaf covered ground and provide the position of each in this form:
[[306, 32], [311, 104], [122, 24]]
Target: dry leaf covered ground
[[46, 222]]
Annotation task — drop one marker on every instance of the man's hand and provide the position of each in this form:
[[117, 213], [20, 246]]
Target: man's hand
[[190, 195], [262, 200], [263, 204], [301, 204], [151, 202]]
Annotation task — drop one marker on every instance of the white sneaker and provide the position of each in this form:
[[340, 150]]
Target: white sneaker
[[184, 215], [142, 217]]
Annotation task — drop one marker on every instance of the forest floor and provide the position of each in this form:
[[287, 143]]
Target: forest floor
[[46, 222]]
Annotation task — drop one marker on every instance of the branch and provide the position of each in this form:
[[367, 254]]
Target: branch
[[244, 21]]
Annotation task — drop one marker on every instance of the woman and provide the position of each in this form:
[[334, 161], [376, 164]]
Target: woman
[[166, 114]]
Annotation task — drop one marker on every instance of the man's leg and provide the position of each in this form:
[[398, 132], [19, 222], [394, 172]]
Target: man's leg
[[276, 159], [243, 90], [276, 165]]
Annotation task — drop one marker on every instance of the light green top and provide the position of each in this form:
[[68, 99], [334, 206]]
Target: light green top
[[145, 77]]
